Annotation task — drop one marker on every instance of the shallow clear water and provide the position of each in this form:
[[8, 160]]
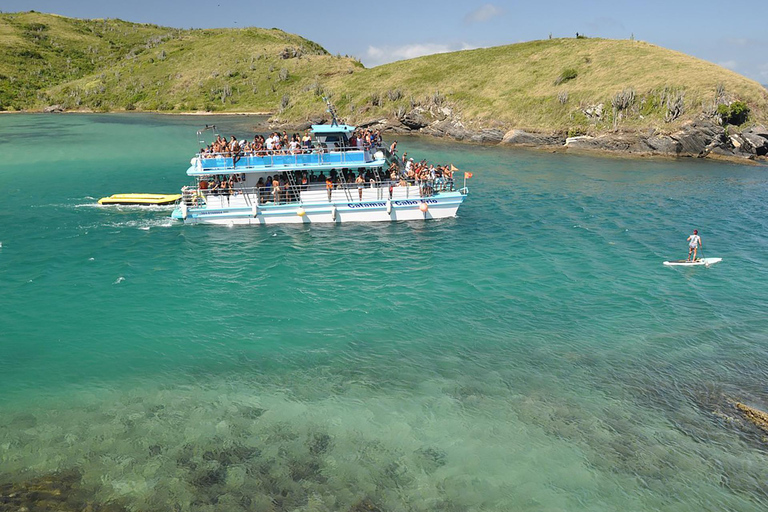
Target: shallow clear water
[[530, 354]]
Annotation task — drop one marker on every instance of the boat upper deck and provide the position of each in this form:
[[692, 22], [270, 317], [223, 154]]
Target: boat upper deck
[[316, 159]]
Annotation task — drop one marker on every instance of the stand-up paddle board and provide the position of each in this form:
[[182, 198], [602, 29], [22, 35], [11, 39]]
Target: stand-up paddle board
[[685, 263]]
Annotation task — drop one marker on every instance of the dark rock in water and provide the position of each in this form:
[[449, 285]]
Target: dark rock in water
[[23, 421], [430, 459], [523, 138], [365, 505], [310, 471], [209, 478], [755, 416], [320, 443], [57, 492], [253, 412]]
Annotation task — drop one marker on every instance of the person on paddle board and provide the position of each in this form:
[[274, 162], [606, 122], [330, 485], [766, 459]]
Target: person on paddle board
[[694, 242]]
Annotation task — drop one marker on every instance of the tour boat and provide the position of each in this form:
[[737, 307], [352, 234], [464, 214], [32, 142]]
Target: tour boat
[[244, 201]]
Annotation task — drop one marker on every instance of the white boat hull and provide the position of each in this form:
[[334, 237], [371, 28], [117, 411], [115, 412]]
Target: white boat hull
[[240, 210]]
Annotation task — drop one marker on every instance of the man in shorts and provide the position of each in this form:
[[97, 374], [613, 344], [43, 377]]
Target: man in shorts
[[694, 242]]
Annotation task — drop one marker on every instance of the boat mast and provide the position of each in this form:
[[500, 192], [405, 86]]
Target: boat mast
[[201, 133]]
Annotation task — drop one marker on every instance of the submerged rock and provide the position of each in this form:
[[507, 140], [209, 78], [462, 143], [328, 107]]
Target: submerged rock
[[56, 492], [755, 416], [364, 505]]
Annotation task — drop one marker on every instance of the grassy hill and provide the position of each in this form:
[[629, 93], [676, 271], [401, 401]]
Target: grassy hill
[[550, 85], [109, 65]]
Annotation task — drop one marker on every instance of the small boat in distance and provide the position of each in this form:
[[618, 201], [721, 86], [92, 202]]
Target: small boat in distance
[[141, 199], [335, 173]]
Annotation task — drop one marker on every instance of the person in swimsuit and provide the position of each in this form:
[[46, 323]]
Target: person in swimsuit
[[360, 185], [694, 242]]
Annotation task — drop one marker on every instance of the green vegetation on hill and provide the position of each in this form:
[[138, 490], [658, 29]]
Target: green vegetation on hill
[[111, 65], [575, 85], [550, 84]]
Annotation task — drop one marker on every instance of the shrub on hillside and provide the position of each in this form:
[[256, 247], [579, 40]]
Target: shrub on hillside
[[736, 113], [567, 74]]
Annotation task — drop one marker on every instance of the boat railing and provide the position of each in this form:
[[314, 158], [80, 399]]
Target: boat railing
[[343, 156], [288, 193]]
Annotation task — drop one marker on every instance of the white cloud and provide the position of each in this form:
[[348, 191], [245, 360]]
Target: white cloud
[[376, 55], [729, 64], [739, 41], [484, 13], [763, 72]]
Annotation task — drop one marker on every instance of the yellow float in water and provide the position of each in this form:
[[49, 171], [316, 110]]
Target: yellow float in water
[[148, 199]]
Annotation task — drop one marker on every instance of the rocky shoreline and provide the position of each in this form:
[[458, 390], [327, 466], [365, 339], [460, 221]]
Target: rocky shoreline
[[696, 139], [700, 139]]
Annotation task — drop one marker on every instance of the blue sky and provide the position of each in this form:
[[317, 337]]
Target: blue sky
[[733, 34]]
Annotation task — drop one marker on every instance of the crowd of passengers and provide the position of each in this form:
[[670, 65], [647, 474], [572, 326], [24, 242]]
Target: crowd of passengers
[[285, 187], [283, 144]]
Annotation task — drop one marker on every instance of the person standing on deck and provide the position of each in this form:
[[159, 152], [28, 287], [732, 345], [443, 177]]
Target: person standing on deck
[[360, 185], [694, 242], [234, 150], [329, 187]]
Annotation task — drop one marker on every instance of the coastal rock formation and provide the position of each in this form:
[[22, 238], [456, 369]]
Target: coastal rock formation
[[755, 140], [694, 139], [523, 138], [700, 138], [415, 119], [697, 138], [487, 136], [607, 142], [662, 145]]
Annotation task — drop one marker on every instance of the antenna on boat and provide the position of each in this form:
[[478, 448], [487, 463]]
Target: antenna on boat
[[331, 110], [201, 132]]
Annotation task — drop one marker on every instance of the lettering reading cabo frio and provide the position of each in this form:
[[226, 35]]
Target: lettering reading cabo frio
[[407, 202], [412, 202]]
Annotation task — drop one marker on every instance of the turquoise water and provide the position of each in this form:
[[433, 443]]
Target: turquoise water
[[532, 354]]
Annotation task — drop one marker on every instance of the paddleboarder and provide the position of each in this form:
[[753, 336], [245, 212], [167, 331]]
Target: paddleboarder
[[694, 242]]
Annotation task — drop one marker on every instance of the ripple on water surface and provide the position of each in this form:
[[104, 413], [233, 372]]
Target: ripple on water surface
[[531, 354]]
